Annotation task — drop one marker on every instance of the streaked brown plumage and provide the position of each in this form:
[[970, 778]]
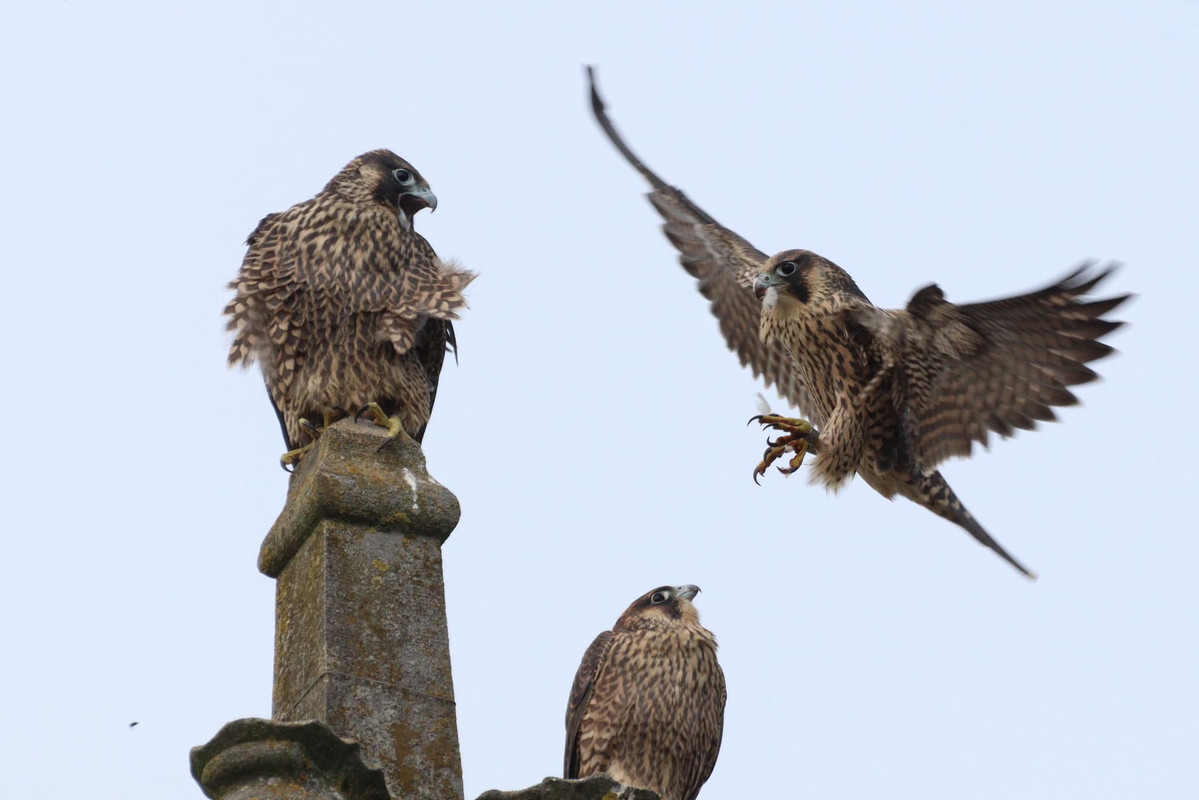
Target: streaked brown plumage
[[647, 705], [893, 393], [343, 304]]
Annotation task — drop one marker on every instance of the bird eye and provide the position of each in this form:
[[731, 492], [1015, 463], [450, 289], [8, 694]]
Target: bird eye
[[786, 268], [402, 175], [659, 597]]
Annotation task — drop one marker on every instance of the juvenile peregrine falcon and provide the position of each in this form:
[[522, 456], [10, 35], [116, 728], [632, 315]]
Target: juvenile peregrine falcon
[[647, 705], [345, 306], [894, 393]]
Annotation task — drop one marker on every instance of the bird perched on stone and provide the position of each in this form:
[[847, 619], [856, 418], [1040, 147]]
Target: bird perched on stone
[[891, 393], [345, 306], [647, 705]]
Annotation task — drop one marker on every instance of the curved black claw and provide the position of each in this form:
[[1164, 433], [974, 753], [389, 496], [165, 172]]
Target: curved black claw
[[754, 418], [360, 412]]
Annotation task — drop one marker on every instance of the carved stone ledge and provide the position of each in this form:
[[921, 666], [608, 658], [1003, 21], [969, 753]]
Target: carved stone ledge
[[260, 759]]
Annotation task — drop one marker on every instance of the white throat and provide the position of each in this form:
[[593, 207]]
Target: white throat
[[771, 298]]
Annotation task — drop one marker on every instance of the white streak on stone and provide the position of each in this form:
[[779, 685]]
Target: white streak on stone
[[410, 479]]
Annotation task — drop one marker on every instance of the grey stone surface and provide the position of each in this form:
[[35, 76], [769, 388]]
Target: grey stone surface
[[261, 759], [346, 477], [599, 787], [361, 641]]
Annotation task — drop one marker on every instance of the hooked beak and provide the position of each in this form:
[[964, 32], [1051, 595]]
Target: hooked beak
[[686, 592], [414, 201], [764, 282]]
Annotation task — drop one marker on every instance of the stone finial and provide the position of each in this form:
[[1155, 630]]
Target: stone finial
[[260, 759], [361, 641]]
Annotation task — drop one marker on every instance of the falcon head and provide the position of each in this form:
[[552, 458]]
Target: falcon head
[[799, 276], [666, 606], [382, 177]]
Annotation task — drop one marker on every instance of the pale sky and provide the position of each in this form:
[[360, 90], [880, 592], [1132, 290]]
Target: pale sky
[[594, 429]]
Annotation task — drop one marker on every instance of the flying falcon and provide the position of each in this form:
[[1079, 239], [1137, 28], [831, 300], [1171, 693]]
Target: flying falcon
[[647, 705], [888, 395], [345, 306]]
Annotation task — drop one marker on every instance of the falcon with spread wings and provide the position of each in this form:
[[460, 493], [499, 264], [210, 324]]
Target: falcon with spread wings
[[887, 395], [647, 704], [345, 306]]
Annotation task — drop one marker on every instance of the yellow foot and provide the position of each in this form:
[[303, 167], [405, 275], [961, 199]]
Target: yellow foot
[[333, 415], [292, 457], [799, 436], [394, 428]]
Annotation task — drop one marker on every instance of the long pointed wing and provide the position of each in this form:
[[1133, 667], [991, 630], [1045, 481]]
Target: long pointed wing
[[725, 266], [707, 761], [433, 341], [1000, 365], [580, 693]]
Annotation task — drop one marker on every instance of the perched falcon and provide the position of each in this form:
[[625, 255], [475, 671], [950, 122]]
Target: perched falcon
[[892, 393], [647, 705], [345, 306]]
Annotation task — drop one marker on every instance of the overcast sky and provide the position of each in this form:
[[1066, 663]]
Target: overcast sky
[[594, 429]]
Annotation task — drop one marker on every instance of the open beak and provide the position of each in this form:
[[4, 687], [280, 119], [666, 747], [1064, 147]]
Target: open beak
[[414, 201], [411, 202]]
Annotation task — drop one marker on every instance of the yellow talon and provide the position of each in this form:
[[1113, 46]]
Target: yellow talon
[[797, 438], [292, 457], [377, 415], [329, 415], [799, 427], [333, 415]]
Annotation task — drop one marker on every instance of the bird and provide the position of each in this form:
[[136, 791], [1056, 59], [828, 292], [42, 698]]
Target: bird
[[346, 307], [886, 394], [647, 704]]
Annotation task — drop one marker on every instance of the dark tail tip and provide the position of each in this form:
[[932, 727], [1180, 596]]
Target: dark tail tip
[[980, 534], [597, 102], [935, 494]]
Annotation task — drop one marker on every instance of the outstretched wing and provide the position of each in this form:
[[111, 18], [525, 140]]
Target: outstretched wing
[[1000, 365], [580, 693], [725, 266]]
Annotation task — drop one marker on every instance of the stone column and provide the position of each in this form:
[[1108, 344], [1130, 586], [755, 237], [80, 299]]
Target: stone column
[[361, 641]]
